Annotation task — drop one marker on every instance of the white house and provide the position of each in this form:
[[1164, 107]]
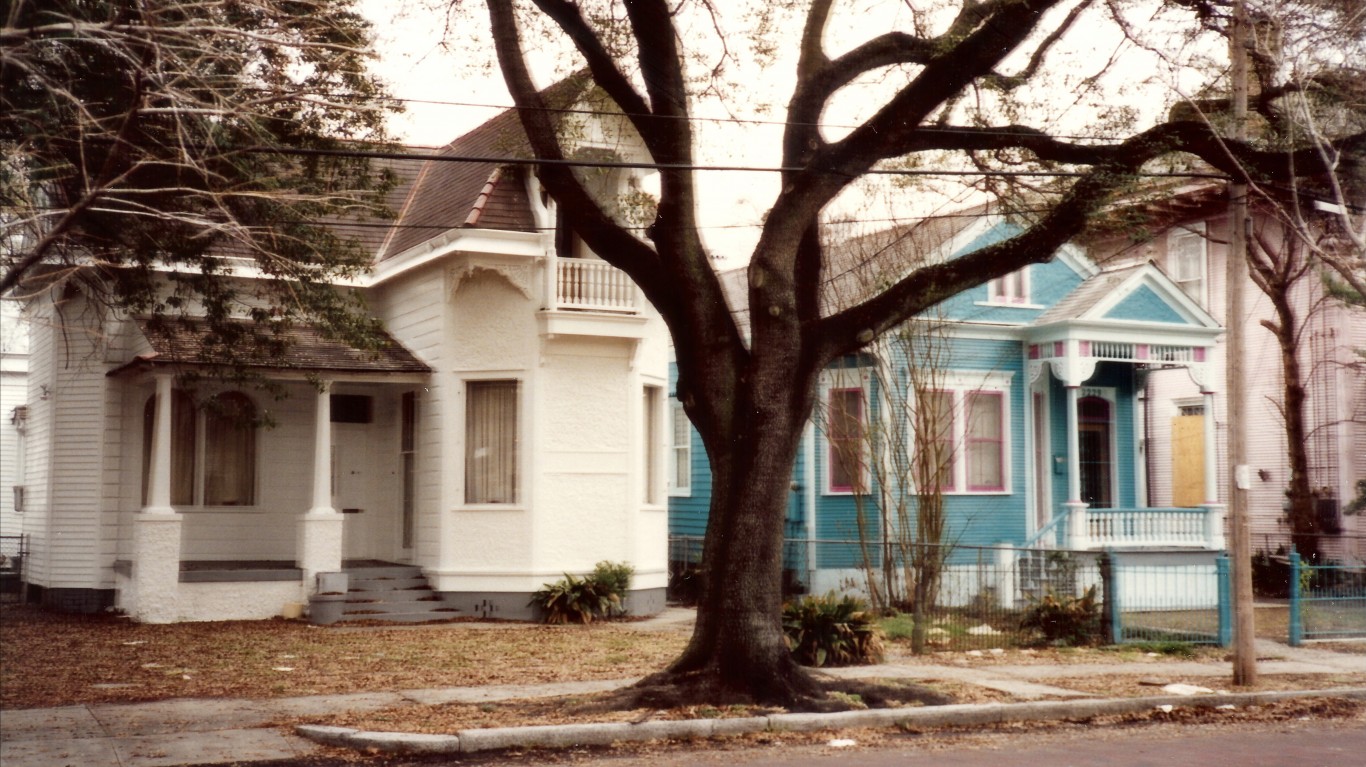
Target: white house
[[511, 432]]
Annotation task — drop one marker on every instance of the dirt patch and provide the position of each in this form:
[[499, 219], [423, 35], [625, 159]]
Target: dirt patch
[[53, 659]]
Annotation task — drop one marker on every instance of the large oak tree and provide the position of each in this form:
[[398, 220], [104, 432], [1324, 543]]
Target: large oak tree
[[749, 394]]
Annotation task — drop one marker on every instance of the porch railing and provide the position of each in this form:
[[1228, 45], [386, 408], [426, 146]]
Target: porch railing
[[585, 285], [1122, 528]]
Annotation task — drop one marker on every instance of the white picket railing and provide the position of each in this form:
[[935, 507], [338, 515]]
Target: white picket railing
[[584, 285], [1123, 528]]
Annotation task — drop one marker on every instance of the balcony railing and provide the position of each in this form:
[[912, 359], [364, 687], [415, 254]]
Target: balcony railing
[[594, 286]]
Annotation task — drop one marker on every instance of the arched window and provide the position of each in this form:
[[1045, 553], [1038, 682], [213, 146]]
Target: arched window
[[230, 451], [220, 469]]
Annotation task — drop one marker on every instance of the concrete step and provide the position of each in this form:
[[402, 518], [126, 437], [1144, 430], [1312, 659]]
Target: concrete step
[[393, 593]]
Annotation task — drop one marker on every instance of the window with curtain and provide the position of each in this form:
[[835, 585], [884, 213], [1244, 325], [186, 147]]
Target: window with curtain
[[491, 441], [961, 432], [1013, 288], [213, 450], [845, 435], [230, 451], [934, 433], [985, 441]]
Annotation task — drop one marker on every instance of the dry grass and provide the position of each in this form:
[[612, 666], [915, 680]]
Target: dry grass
[[54, 660]]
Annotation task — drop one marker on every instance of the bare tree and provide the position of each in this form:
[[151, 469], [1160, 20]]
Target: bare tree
[[151, 150], [953, 75]]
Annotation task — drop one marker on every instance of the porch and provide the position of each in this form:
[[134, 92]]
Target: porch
[[236, 519]]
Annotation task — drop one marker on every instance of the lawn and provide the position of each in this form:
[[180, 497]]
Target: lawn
[[53, 659]]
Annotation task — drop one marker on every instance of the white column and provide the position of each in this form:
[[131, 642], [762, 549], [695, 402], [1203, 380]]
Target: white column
[[322, 450], [1210, 457], [159, 473], [320, 529], [157, 527], [1214, 511], [1077, 534]]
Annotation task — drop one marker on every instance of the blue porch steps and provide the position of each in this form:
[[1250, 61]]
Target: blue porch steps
[[392, 593]]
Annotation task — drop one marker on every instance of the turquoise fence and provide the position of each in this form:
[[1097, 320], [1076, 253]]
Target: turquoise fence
[[1326, 601]]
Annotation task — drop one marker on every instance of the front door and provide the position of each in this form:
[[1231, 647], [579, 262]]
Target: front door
[[1096, 440], [356, 481]]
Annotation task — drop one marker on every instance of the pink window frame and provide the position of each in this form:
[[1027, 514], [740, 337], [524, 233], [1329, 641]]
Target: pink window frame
[[834, 442], [970, 441]]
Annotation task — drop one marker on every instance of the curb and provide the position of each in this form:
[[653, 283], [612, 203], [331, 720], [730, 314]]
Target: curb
[[605, 734]]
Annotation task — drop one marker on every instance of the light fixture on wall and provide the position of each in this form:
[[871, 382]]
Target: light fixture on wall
[[1264, 475]]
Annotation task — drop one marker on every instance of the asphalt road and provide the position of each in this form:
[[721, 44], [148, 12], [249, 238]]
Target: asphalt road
[[1282, 744]]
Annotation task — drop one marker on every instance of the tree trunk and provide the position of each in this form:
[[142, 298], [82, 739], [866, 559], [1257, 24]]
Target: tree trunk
[[737, 653], [1304, 521]]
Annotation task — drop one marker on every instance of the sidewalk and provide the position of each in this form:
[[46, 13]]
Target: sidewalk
[[186, 731]]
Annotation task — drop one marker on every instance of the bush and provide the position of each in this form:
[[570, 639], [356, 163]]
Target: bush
[[600, 594], [831, 631], [1073, 621], [616, 576]]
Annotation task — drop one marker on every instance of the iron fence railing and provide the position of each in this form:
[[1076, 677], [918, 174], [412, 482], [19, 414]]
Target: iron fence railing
[[13, 556], [1327, 601], [976, 597]]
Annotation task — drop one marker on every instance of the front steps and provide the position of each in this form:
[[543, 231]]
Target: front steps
[[392, 593]]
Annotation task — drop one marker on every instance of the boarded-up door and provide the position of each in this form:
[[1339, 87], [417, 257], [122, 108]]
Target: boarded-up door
[[1188, 460]]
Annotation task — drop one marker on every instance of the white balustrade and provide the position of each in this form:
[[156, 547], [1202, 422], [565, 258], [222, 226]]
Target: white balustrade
[[585, 285], [1124, 528]]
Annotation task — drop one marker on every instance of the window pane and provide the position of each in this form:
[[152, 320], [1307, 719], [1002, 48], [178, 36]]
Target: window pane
[[491, 442], [934, 434], [681, 468], [230, 451], [985, 441], [846, 439]]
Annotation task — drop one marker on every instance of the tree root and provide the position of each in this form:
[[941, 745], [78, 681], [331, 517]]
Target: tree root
[[804, 692]]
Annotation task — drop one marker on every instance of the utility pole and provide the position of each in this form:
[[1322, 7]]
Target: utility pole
[[1240, 544]]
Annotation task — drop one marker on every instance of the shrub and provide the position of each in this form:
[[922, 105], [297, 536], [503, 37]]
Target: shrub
[[600, 594], [831, 631], [616, 576], [1066, 620], [575, 600]]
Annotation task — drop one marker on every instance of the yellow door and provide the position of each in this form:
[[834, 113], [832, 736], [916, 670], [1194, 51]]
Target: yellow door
[[1188, 460]]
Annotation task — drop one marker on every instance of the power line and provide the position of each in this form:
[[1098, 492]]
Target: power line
[[374, 154]]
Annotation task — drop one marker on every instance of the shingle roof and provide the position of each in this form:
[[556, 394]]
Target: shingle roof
[[1086, 295], [188, 342], [436, 196]]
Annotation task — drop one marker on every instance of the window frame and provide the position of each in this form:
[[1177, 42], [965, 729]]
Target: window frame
[[518, 492], [680, 451], [963, 387], [1179, 258], [190, 449], [1010, 290]]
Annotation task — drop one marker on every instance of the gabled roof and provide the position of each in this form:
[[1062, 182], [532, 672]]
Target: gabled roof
[[188, 342], [1139, 293], [436, 196]]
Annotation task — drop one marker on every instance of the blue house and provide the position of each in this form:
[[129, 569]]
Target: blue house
[[1020, 401]]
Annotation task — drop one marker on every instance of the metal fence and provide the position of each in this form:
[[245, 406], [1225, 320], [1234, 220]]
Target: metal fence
[[1326, 601], [979, 597], [13, 555]]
